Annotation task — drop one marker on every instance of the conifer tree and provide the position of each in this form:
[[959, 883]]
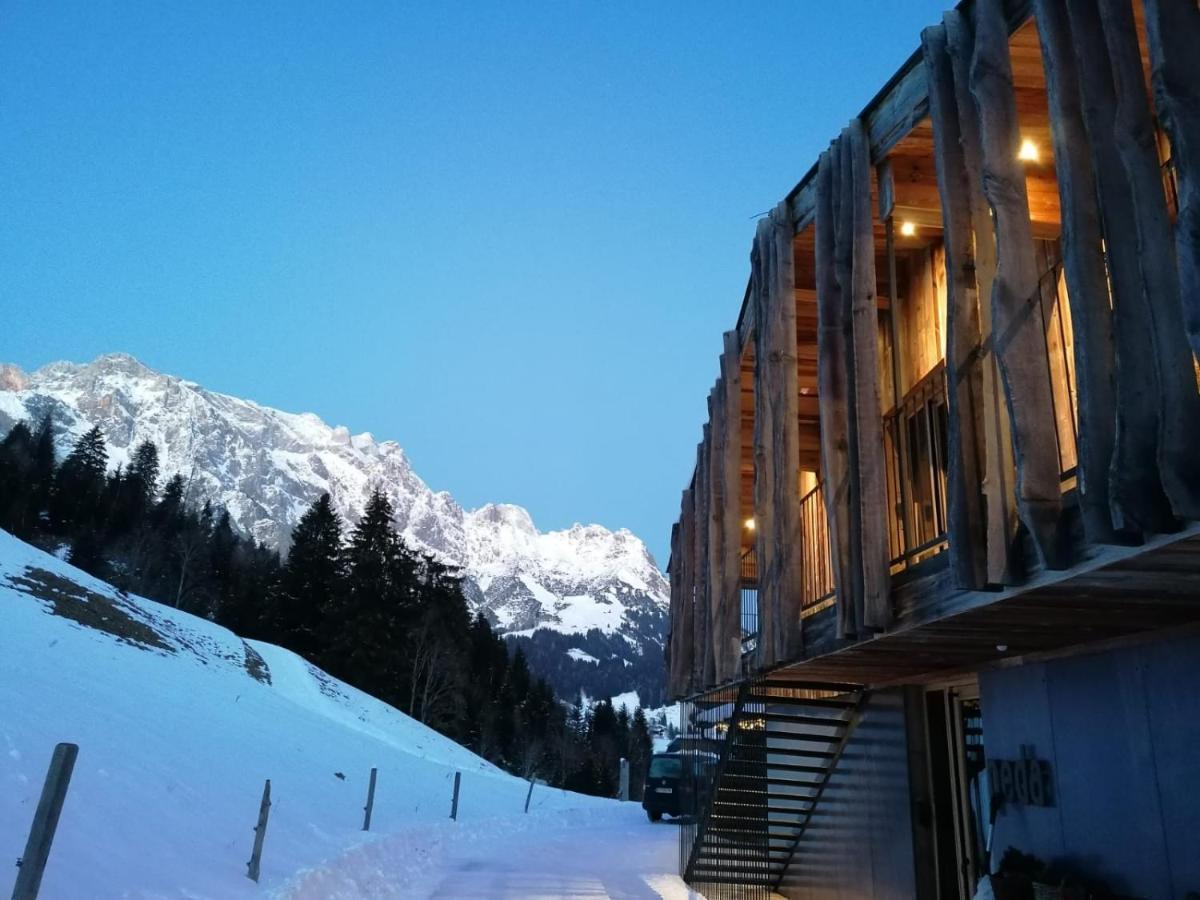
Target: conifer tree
[[312, 583], [79, 484], [369, 623]]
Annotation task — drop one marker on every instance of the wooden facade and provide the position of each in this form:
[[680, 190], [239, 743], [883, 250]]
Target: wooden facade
[[967, 328], [957, 422]]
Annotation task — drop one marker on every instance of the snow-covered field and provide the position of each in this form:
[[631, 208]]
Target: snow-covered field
[[180, 721]]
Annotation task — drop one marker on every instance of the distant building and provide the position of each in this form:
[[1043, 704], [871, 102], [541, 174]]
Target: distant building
[[937, 570]]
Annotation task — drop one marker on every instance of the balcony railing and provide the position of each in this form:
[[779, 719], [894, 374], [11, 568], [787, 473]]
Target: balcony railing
[[914, 435], [749, 592], [816, 565]]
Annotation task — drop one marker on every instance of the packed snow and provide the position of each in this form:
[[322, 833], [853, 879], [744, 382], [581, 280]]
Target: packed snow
[[179, 722]]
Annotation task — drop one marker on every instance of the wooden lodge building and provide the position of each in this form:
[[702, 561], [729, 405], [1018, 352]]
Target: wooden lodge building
[[935, 584]]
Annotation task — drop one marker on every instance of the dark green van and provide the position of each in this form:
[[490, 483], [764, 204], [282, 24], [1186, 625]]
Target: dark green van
[[677, 783]]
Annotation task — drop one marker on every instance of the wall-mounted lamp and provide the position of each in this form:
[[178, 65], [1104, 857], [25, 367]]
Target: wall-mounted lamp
[[908, 229], [1028, 151], [749, 523]]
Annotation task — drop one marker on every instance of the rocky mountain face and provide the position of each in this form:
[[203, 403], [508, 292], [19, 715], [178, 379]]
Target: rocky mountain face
[[585, 585]]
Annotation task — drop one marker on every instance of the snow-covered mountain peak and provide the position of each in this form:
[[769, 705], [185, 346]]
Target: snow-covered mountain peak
[[266, 466]]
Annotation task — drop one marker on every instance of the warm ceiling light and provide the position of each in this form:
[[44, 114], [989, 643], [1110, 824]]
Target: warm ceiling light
[[908, 229], [749, 524], [1028, 151]]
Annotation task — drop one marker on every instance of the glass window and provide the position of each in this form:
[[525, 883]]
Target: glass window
[[666, 767]]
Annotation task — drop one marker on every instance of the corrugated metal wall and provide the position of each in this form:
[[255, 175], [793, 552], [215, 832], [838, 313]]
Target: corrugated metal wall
[[1122, 732], [859, 843]]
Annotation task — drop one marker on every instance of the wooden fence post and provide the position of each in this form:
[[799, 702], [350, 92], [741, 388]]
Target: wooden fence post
[[45, 821], [370, 801], [454, 799], [260, 832], [529, 793]]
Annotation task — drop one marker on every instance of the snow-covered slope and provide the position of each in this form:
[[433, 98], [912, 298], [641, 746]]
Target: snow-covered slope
[[180, 721], [266, 466]]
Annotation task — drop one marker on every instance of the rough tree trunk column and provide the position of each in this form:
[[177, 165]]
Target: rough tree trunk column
[[868, 412], [833, 391], [1136, 497], [716, 532], [1173, 29], [702, 663], [777, 439], [1083, 261], [671, 651], [964, 380], [730, 608], [687, 584], [1179, 426], [1018, 339], [996, 452]]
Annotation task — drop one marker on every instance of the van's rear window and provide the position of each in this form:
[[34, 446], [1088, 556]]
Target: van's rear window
[[665, 767]]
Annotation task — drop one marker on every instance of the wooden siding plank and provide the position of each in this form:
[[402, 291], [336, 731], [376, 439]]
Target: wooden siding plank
[[1018, 340]]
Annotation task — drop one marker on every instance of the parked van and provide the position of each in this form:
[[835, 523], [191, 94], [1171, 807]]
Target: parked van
[[677, 784]]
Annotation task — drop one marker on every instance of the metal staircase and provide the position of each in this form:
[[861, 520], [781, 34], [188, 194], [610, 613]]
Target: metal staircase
[[782, 741]]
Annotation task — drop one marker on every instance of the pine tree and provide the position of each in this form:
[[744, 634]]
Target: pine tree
[[16, 466], [79, 485], [142, 475], [312, 583], [41, 475], [371, 622]]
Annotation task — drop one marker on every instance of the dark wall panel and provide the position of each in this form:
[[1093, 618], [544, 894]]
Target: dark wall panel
[[1121, 730], [859, 843], [1109, 806], [1016, 711], [1172, 681]]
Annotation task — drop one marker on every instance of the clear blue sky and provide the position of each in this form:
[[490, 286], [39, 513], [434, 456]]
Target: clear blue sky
[[506, 235]]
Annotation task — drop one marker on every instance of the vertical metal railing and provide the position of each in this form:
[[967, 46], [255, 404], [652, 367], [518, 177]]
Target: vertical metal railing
[[914, 434], [749, 598], [816, 563], [724, 849]]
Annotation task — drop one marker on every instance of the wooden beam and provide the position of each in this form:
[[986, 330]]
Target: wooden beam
[[1083, 262], [1018, 339], [964, 375], [864, 315], [1173, 32], [832, 374], [1179, 426], [777, 441], [996, 454], [1137, 499], [729, 608]]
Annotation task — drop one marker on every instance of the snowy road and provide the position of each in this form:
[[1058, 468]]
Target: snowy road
[[625, 859], [588, 855]]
